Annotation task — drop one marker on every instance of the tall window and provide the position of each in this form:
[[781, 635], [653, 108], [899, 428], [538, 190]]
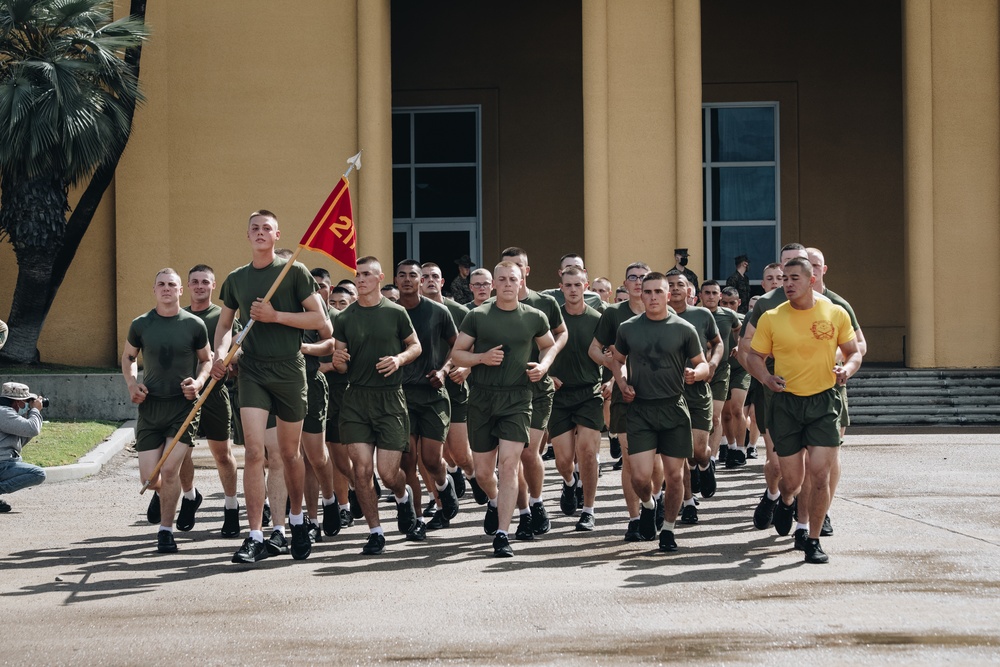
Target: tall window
[[436, 185], [740, 168]]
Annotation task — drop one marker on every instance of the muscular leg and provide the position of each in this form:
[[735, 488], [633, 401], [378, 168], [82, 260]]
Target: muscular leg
[[186, 472], [792, 474], [169, 478], [531, 460], [319, 461], [772, 467], [289, 435], [675, 472], [509, 456], [409, 462], [390, 472], [225, 463], [457, 448], [631, 498], [254, 427], [363, 461], [277, 494], [822, 461], [715, 437], [588, 443]]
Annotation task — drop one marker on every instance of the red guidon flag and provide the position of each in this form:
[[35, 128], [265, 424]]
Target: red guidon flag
[[332, 230]]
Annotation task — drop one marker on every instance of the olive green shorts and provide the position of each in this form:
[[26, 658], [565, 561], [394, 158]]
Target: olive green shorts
[[497, 414], [738, 379], [216, 417], [699, 403], [761, 401], [576, 406], [316, 407], [618, 414], [159, 421], [797, 422], [278, 386], [333, 410], [663, 426], [541, 404], [720, 384], [459, 396], [845, 418], [377, 416], [430, 412]]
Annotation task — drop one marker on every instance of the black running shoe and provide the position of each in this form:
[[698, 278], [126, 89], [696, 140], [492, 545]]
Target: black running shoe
[[449, 498], [801, 536], [276, 544], [152, 510], [549, 455], [458, 479], [314, 532], [616, 447], [814, 552], [689, 515], [708, 483], [632, 531], [346, 519], [619, 464], [586, 522], [827, 529], [647, 523], [491, 522], [165, 542], [539, 519], [301, 544], [265, 516], [352, 500], [231, 522], [735, 459], [667, 541], [695, 480], [783, 517], [659, 513], [250, 551], [418, 533], [331, 519], [501, 547], [406, 513], [764, 514], [5, 507], [375, 544], [579, 495], [723, 453], [751, 452], [430, 508], [438, 521], [185, 519], [567, 499], [524, 531], [477, 492]]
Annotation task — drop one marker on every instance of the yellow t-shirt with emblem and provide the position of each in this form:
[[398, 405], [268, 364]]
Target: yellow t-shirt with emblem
[[804, 344]]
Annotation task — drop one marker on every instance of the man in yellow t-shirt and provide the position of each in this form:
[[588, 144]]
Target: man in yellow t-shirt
[[803, 335]]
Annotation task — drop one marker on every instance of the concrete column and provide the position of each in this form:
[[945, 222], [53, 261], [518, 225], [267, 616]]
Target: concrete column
[[596, 213], [687, 113], [918, 160], [372, 187]]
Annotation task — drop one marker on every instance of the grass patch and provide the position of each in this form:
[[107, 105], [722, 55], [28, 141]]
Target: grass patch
[[63, 442], [55, 369]]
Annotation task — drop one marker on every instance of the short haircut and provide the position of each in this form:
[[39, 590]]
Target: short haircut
[[709, 283], [262, 213], [389, 288], [731, 292], [408, 262], [656, 275], [346, 281], [771, 266], [166, 270], [674, 273], [369, 259], [430, 265], [340, 289], [514, 251], [621, 290], [508, 265], [602, 279], [800, 262], [320, 272], [481, 272], [201, 267], [575, 271], [791, 246], [636, 265]]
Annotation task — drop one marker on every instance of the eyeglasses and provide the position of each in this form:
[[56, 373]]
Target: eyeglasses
[[634, 278], [480, 285]]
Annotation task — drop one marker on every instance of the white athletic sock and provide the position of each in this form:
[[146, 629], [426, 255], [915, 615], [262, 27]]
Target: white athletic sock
[[700, 467], [280, 529], [400, 501], [501, 532], [295, 519], [191, 495], [492, 502], [345, 506], [377, 530], [648, 504], [232, 503], [533, 501], [669, 526], [257, 535], [169, 529], [689, 502], [775, 496], [715, 458], [724, 442], [741, 449], [314, 520], [799, 526], [329, 501], [523, 512], [452, 469], [658, 495], [633, 518], [571, 482], [442, 487], [588, 510]]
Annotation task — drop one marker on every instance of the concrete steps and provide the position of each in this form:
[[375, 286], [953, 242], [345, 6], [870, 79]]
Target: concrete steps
[[925, 397]]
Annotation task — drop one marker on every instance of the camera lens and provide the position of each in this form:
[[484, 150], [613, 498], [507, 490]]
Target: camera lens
[[45, 401]]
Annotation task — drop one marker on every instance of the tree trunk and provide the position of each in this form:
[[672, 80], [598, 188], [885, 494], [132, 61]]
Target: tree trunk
[[39, 203]]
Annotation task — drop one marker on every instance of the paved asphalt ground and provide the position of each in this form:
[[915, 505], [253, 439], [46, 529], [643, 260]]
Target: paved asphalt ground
[[914, 578]]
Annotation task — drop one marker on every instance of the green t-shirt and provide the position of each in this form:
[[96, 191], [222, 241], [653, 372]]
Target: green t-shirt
[[515, 330], [592, 299], [436, 332], [210, 316], [726, 320], [607, 331], [573, 366], [658, 352], [269, 340], [550, 307], [842, 302], [458, 311], [333, 377], [734, 364], [169, 350], [371, 333]]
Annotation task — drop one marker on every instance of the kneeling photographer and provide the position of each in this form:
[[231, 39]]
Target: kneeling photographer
[[20, 421]]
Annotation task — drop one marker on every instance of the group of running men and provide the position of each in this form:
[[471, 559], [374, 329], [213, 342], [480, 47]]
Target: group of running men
[[335, 382]]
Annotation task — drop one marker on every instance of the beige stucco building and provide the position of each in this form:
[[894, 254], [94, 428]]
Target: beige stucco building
[[618, 129]]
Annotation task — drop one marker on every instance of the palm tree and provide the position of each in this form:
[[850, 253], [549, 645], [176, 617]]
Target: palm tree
[[69, 83]]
